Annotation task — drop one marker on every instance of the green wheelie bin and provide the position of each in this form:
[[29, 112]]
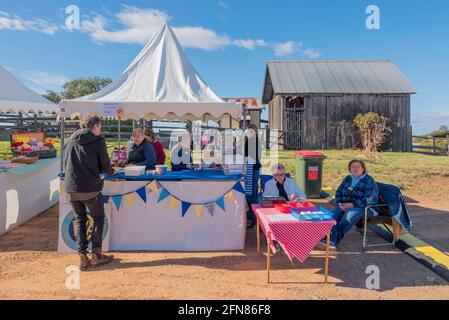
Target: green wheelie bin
[[309, 168]]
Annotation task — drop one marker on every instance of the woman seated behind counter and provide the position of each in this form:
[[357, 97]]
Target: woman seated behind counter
[[158, 148], [283, 186], [142, 152]]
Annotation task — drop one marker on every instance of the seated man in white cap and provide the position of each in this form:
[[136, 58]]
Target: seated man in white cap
[[283, 186]]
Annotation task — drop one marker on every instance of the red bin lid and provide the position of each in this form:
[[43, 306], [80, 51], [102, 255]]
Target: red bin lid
[[309, 154]]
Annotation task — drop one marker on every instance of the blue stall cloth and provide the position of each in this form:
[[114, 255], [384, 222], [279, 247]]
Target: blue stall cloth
[[178, 176]]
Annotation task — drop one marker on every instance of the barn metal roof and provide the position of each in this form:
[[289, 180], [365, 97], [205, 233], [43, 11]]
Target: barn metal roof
[[334, 77]]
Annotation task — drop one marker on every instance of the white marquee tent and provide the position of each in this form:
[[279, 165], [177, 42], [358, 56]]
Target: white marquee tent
[[160, 83], [16, 97], [25, 191]]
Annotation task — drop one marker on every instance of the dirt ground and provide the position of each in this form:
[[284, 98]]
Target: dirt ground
[[30, 268]]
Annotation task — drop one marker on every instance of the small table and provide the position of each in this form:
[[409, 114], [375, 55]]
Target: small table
[[296, 237]]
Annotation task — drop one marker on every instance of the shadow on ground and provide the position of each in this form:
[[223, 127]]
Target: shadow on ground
[[348, 266]]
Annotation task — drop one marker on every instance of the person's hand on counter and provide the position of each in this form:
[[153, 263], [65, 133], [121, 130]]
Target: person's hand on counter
[[122, 163]]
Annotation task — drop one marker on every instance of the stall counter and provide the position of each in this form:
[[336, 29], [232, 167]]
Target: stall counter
[[26, 191], [202, 210]]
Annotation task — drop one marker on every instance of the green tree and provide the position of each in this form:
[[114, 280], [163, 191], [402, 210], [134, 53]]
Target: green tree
[[52, 96], [83, 86]]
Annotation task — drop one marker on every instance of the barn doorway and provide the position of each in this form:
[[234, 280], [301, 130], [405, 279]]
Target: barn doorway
[[294, 122]]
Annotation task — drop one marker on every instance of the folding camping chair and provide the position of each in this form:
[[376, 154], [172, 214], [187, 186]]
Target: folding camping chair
[[385, 218], [264, 178]]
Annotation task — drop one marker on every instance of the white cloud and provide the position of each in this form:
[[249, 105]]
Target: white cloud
[[291, 47], [140, 25], [311, 53], [201, 38], [286, 48], [42, 81], [250, 44], [16, 23]]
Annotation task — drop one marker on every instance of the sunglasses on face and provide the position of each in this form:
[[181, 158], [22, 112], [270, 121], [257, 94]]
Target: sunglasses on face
[[279, 174]]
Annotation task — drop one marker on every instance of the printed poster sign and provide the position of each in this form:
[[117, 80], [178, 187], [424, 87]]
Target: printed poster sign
[[111, 109]]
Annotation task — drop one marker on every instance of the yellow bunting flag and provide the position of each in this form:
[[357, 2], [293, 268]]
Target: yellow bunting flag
[[129, 198], [173, 202], [153, 187], [198, 209], [230, 195]]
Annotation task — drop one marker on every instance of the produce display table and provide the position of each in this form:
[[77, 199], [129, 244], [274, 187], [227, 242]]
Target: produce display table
[[296, 237], [201, 210], [26, 191]]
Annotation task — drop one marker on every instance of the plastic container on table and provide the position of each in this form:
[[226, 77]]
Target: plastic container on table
[[134, 171]]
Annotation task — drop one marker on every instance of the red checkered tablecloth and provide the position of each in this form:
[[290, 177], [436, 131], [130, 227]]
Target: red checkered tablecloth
[[296, 237]]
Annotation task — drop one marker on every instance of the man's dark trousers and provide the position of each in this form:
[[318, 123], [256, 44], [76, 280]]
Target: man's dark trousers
[[96, 209]]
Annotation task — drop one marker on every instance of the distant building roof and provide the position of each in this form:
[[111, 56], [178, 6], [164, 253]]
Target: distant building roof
[[334, 77], [439, 134], [251, 103]]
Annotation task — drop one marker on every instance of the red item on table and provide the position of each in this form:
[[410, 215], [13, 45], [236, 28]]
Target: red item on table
[[297, 206], [160, 154]]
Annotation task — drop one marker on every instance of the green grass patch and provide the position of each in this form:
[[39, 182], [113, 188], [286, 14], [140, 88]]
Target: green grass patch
[[405, 170]]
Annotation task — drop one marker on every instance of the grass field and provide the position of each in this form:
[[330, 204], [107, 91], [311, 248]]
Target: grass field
[[410, 171]]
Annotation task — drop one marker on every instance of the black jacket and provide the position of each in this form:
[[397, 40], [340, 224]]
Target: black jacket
[[143, 155], [85, 157]]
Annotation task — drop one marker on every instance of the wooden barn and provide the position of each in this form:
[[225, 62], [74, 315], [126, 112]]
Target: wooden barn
[[312, 103]]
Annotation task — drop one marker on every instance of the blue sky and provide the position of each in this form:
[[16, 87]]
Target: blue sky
[[229, 42]]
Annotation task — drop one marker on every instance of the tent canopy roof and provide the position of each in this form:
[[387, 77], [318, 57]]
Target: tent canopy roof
[[160, 83], [17, 97]]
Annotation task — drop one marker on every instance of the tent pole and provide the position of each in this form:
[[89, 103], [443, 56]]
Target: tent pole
[[244, 116], [119, 137], [61, 165]]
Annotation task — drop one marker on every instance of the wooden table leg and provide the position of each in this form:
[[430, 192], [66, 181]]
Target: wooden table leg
[[326, 263], [268, 262], [258, 236]]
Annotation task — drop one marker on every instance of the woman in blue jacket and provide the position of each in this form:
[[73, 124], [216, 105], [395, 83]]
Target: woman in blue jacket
[[357, 191]]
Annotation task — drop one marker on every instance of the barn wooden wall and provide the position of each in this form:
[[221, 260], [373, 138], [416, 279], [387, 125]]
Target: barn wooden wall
[[276, 123], [328, 120]]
